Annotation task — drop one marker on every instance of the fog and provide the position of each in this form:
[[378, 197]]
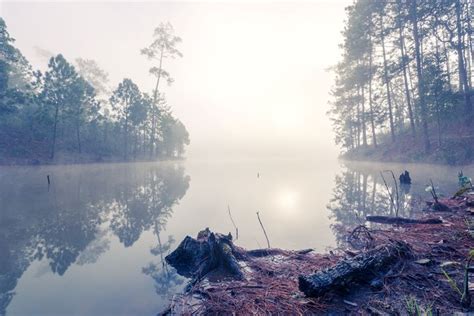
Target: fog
[[254, 78]]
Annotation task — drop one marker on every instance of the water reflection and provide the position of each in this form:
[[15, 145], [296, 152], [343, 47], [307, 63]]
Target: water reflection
[[166, 279], [105, 229], [73, 221], [360, 190]]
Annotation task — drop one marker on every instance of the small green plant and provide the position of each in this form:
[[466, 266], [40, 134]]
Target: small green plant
[[451, 282], [414, 309], [465, 295], [464, 181], [412, 306]]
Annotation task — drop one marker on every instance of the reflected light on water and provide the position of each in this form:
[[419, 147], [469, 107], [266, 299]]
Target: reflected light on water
[[287, 200]]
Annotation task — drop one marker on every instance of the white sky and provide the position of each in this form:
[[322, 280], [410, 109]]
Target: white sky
[[253, 78]]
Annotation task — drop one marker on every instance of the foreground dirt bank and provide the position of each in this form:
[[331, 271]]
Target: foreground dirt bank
[[431, 279]]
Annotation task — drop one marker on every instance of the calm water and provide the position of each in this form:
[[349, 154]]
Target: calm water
[[92, 242]]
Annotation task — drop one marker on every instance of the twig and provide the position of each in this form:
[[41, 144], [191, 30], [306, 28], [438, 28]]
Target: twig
[[263, 228], [396, 191], [233, 223], [389, 193], [433, 192]]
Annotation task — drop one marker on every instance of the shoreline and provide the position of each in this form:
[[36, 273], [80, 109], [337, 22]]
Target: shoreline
[[406, 151], [42, 163], [351, 156], [423, 281]]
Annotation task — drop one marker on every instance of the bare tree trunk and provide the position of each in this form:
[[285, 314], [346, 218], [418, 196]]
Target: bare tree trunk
[[387, 82], [462, 67], [405, 80], [155, 107], [448, 68], [438, 109], [358, 124], [372, 120], [364, 129], [421, 90], [469, 34]]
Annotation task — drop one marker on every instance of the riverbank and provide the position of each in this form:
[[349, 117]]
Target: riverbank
[[429, 279], [73, 159], [453, 147]]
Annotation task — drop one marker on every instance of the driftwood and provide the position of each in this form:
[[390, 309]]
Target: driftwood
[[401, 220], [361, 268], [210, 252]]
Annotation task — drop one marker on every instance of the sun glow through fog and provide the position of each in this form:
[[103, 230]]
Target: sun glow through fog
[[287, 200], [253, 73]]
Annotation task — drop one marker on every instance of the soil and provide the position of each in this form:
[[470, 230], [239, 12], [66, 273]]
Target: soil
[[431, 280]]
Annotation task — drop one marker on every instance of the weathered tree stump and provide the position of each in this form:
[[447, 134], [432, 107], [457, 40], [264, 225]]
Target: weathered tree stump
[[437, 206], [361, 268], [401, 220], [209, 252], [405, 178]]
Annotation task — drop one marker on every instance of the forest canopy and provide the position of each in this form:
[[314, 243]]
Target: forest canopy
[[69, 113], [405, 80]]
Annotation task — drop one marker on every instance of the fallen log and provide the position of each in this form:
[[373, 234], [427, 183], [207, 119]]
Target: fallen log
[[401, 220], [361, 268]]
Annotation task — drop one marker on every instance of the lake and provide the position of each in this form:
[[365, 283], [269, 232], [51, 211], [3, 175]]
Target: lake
[[93, 241]]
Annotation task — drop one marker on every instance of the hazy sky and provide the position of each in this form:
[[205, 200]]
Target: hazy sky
[[253, 78]]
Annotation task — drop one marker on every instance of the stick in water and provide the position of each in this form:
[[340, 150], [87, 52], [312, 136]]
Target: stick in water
[[389, 193], [433, 192], [396, 191], [233, 223], [263, 228]]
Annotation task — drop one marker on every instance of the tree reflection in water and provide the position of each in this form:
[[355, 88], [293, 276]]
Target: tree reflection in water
[[361, 192], [73, 220], [166, 278]]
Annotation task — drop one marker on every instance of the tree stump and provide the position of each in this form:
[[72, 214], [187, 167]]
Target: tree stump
[[405, 178], [209, 252], [437, 206]]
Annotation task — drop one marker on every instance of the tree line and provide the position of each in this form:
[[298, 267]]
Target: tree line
[[70, 111], [405, 74]]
